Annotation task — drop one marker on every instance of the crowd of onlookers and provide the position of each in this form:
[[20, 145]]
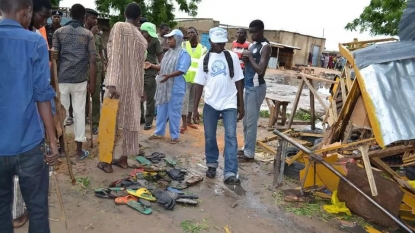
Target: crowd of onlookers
[[333, 62]]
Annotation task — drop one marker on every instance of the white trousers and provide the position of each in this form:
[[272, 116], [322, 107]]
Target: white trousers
[[78, 93]]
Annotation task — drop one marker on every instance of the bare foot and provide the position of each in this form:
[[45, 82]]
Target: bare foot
[[20, 221], [105, 167], [121, 162]]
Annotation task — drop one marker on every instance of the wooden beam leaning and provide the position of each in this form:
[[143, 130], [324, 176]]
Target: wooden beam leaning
[[364, 149]]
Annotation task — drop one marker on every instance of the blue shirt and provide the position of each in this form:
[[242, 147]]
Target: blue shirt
[[24, 80], [183, 64]]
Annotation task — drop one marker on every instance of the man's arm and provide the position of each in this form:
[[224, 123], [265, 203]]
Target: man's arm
[[159, 50], [92, 63], [200, 79], [263, 63], [101, 50], [43, 93]]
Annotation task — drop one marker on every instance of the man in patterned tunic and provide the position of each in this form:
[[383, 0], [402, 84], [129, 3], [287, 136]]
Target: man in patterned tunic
[[124, 80]]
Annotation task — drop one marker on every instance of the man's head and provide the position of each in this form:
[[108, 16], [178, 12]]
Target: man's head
[[256, 29], [18, 10], [91, 17], [174, 38], [241, 35], [133, 13], [42, 10], [218, 38], [78, 12], [56, 17], [192, 34], [149, 31], [164, 29]]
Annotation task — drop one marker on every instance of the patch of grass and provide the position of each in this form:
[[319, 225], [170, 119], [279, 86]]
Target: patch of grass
[[193, 226], [264, 114], [301, 115], [84, 182]]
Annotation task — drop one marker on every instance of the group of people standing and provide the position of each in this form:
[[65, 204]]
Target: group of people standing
[[332, 62], [140, 66]]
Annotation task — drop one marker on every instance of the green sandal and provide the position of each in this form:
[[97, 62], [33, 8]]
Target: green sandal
[[139, 207]]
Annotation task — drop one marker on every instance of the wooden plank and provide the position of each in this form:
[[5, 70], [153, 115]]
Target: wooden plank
[[320, 79], [390, 151], [295, 104], [312, 108], [266, 147], [364, 151], [107, 129], [343, 89], [315, 93]]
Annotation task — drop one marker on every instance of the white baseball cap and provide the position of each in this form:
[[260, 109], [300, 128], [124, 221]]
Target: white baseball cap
[[218, 35]]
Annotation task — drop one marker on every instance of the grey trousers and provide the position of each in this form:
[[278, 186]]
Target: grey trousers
[[18, 205], [189, 99]]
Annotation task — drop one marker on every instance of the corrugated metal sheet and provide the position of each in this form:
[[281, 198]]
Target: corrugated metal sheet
[[272, 64], [390, 87]]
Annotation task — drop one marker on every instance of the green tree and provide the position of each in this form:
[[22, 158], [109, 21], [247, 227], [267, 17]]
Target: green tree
[[381, 17], [156, 11], [55, 2]]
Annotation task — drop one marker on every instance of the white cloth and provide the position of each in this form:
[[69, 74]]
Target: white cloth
[[18, 206], [78, 93], [220, 89]]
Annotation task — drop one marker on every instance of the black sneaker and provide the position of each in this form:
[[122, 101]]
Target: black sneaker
[[147, 126], [232, 180], [95, 130], [211, 172]]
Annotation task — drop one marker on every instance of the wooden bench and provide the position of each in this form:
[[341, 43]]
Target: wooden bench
[[278, 112]]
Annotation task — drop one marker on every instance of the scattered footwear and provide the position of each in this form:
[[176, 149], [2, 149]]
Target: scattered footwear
[[170, 161], [143, 160], [142, 193], [178, 185], [176, 174], [155, 157], [139, 207], [211, 172], [232, 180], [164, 199], [244, 158], [154, 136], [147, 126], [194, 180], [144, 202], [125, 200]]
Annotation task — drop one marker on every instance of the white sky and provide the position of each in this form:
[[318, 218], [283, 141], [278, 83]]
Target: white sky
[[308, 17]]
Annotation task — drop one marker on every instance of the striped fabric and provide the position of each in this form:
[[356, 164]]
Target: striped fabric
[[18, 205], [126, 56]]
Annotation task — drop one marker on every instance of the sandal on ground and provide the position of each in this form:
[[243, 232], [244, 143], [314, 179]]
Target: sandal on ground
[[105, 167], [21, 221], [124, 200], [164, 199], [142, 193], [125, 183], [194, 180], [103, 193], [232, 180], [187, 201], [139, 207], [155, 136], [143, 161]]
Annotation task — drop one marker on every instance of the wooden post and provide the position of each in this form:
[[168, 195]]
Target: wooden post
[[312, 110], [295, 104], [369, 172]]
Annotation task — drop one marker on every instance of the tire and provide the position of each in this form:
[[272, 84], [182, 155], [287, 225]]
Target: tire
[[293, 170]]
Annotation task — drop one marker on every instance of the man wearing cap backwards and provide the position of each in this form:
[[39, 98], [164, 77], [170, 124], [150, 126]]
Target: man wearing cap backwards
[[91, 22], [55, 25], [256, 63], [195, 50], [124, 80], [220, 73], [154, 56]]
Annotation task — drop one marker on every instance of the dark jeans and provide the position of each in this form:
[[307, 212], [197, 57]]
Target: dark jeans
[[34, 184], [150, 87]]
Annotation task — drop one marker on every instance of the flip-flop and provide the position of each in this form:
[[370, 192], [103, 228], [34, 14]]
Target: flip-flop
[[135, 171], [178, 185], [103, 194], [144, 202], [69, 121], [124, 183], [142, 193], [186, 201], [173, 190], [194, 180], [101, 166], [124, 200], [85, 154], [170, 161], [139, 207], [143, 160]]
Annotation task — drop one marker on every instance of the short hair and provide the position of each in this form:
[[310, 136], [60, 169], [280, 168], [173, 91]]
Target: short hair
[[163, 26], [193, 29], [257, 24], [38, 5], [132, 11], [243, 29], [78, 11], [8, 6]]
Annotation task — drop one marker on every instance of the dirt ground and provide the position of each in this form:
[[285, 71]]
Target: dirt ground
[[251, 209]]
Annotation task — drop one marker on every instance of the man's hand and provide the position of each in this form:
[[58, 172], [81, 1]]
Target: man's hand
[[147, 65], [196, 119], [91, 88], [54, 54], [95, 29], [144, 97], [166, 77], [113, 94], [53, 156], [241, 113]]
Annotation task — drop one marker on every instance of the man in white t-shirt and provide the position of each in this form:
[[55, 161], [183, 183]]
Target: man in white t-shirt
[[220, 73]]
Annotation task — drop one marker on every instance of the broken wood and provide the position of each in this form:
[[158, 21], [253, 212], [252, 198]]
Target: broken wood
[[364, 151]]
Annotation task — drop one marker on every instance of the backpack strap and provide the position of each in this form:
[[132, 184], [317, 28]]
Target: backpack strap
[[228, 58], [230, 63]]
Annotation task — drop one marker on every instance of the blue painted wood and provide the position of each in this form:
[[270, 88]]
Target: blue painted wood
[[205, 40]]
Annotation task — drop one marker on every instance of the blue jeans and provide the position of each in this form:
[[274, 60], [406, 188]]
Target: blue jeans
[[34, 184], [210, 121], [253, 98], [172, 111]]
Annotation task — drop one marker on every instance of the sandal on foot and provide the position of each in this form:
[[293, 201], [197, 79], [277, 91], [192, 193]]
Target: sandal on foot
[[139, 207], [174, 141], [244, 158], [69, 121], [105, 167], [182, 130], [192, 126], [142, 193], [124, 200], [85, 154], [155, 136]]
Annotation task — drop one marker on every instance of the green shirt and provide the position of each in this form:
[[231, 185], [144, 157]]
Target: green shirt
[[153, 50], [98, 47]]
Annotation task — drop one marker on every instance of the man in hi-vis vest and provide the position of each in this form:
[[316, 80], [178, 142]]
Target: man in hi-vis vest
[[196, 50]]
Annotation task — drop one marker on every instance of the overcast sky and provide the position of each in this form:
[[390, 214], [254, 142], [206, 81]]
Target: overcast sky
[[309, 17]]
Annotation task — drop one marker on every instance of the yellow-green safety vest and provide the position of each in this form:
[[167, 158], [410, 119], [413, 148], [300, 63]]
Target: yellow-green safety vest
[[196, 55]]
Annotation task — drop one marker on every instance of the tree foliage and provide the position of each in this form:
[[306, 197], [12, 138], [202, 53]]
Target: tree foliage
[[156, 11], [55, 2], [381, 17]]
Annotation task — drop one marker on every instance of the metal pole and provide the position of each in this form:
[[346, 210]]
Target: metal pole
[[331, 168]]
